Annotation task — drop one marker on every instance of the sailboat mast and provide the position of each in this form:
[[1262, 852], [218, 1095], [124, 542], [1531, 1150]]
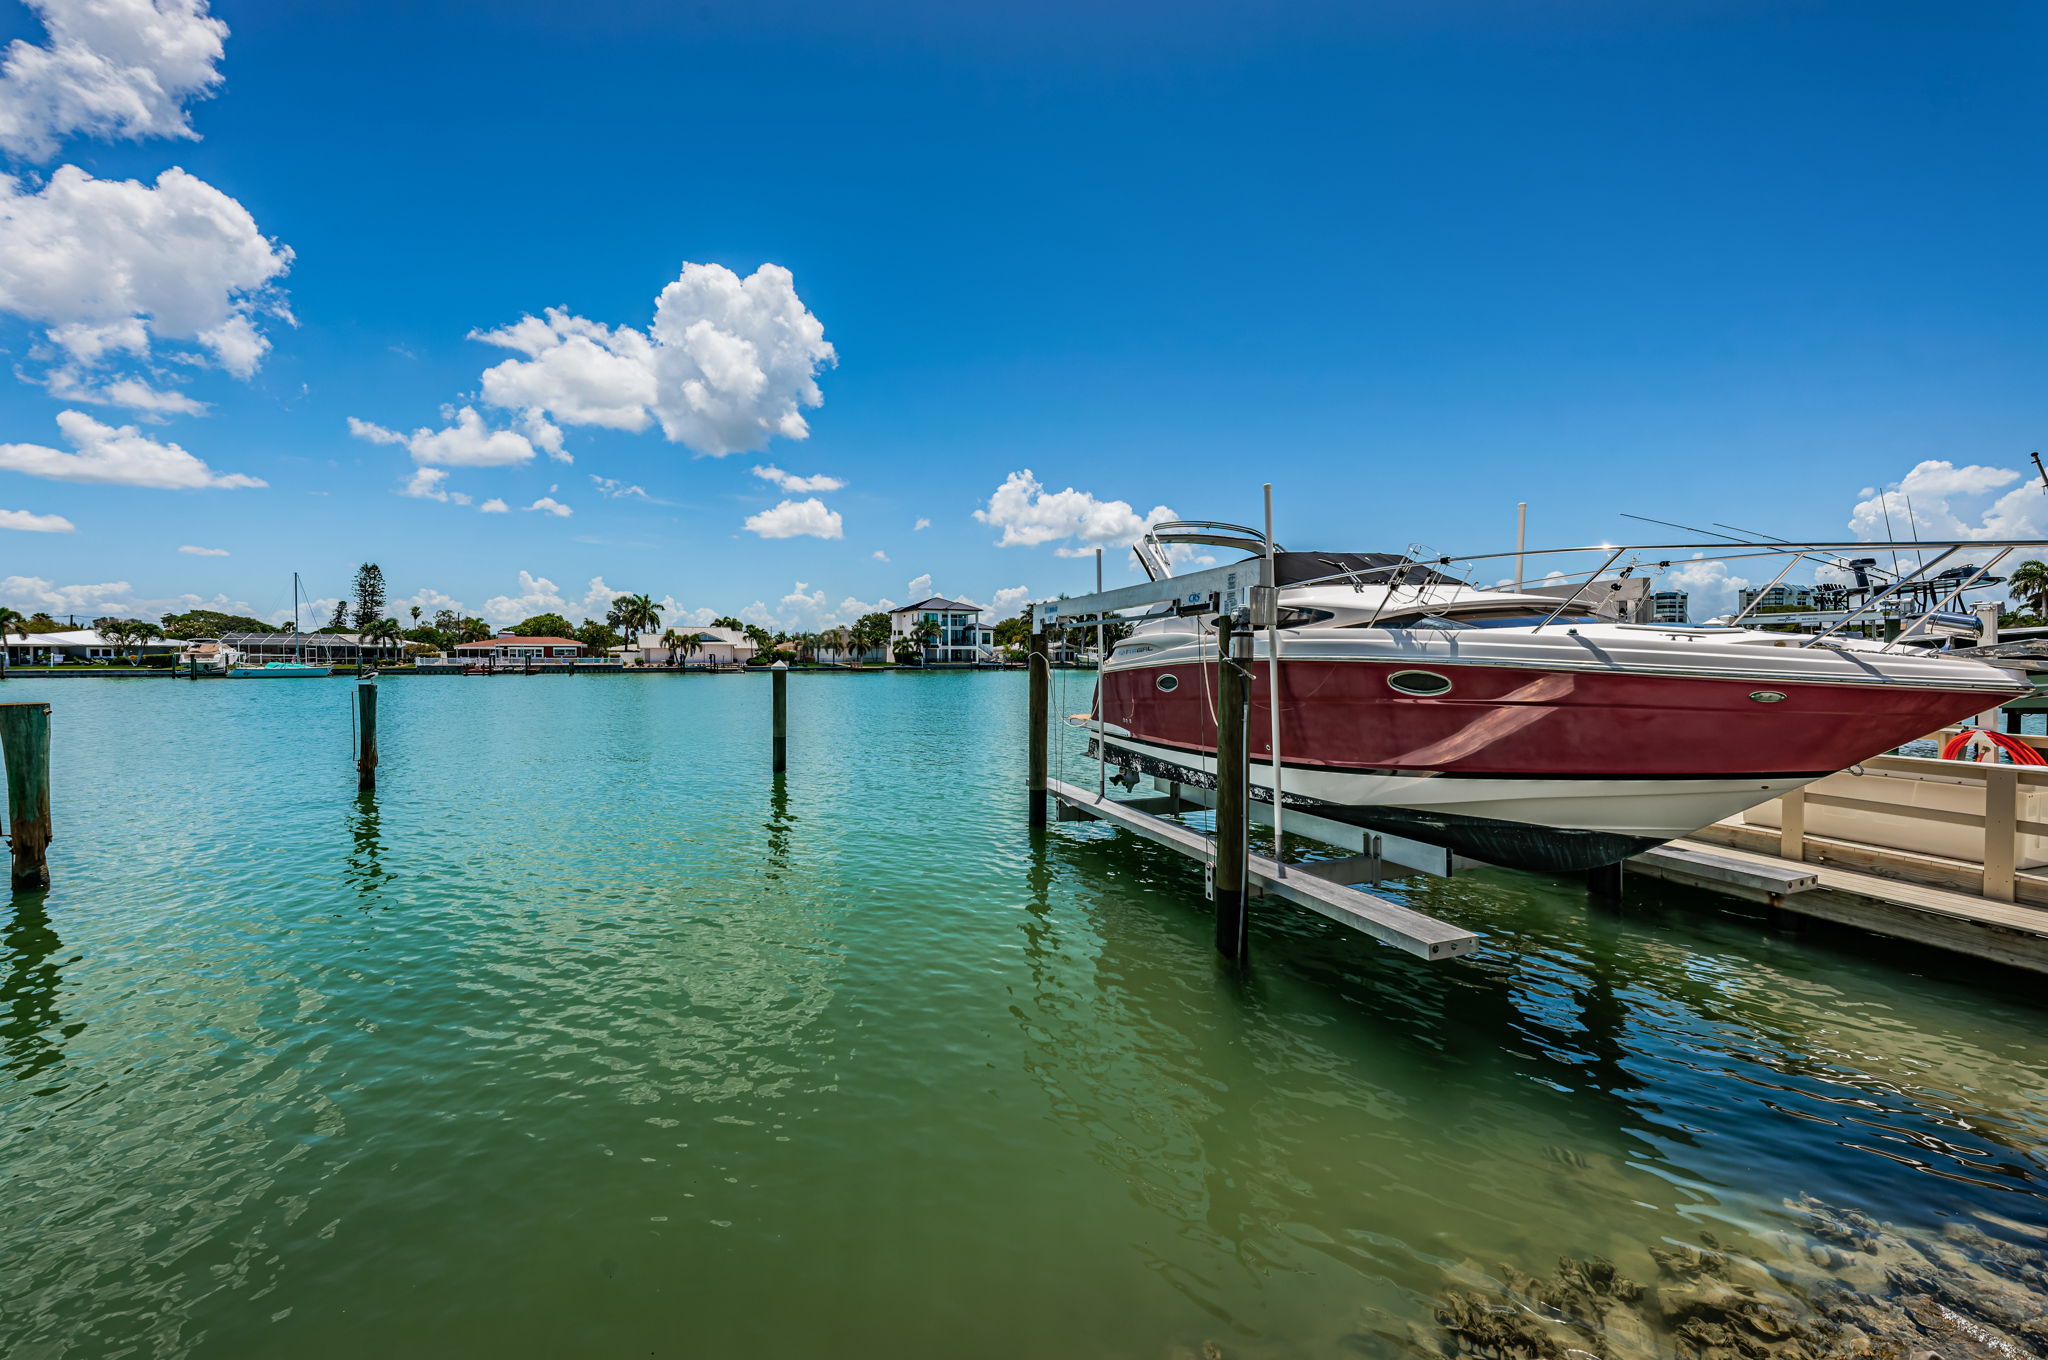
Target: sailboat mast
[[298, 645]]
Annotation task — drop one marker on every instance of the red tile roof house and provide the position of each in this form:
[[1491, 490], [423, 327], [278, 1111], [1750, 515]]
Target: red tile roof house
[[508, 647]]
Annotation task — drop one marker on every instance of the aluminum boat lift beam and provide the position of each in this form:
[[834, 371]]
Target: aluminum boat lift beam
[[1383, 919]]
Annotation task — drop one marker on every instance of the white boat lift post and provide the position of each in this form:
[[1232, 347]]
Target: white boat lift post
[[1231, 592]]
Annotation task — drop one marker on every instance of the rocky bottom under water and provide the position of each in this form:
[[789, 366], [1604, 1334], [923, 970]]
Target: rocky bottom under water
[[1847, 1286]]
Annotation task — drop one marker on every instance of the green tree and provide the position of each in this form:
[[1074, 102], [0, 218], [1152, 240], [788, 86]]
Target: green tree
[[925, 633], [907, 651], [369, 595], [382, 632], [728, 621], [203, 623], [545, 625], [634, 614], [129, 633], [473, 630], [339, 623], [869, 632], [2029, 581], [763, 643], [1015, 632], [41, 622], [415, 616], [11, 621], [597, 637]]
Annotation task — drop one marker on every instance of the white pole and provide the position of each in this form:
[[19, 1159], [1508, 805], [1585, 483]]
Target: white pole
[[1101, 708], [1521, 537], [1273, 673]]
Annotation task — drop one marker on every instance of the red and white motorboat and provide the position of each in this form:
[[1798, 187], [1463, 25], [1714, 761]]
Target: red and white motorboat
[[1520, 728]]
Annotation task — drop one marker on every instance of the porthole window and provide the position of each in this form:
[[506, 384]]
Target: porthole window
[[1167, 682], [1421, 683]]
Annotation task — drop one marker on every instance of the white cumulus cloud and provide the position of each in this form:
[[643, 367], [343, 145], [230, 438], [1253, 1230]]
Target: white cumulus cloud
[[790, 482], [550, 506], [880, 556], [580, 372], [193, 550], [792, 519], [1940, 500], [494, 506], [110, 68], [466, 441], [29, 523], [115, 455], [727, 364], [919, 588], [426, 484], [1006, 602], [1030, 515], [922, 523], [114, 267]]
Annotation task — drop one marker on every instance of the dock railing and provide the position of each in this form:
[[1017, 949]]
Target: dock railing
[[1957, 824]]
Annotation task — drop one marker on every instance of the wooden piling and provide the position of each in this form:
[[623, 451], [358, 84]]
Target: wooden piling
[[1233, 792], [1039, 667], [779, 700], [366, 736], [25, 747], [1607, 882]]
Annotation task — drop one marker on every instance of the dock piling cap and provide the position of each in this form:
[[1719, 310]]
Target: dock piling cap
[[779, 666]]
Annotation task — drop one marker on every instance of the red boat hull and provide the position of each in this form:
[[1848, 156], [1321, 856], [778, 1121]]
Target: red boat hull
[[1534, 723]]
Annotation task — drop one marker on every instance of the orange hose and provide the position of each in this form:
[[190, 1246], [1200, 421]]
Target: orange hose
[[2020, 752]]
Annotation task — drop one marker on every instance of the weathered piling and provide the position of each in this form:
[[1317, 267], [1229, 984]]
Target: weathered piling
[[25, 747], [366, 736], [1233, 770], [779, 701], [1039, 665], [1608, 882]]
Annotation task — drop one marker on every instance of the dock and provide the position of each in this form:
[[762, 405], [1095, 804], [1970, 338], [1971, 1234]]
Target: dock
[[1324, 887]]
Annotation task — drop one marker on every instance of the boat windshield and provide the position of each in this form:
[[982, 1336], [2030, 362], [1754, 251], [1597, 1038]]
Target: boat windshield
[[1505, 616]]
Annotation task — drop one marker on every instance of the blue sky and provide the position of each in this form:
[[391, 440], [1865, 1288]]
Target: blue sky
[[1410, 262]]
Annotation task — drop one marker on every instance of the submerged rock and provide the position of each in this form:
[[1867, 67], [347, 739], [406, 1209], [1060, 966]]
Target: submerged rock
[[1850, 1287]]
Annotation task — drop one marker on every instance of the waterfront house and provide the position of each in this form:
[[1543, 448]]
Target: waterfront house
[[714, 647], [318, 649], [74, 645], [960, 637], [512, 647]]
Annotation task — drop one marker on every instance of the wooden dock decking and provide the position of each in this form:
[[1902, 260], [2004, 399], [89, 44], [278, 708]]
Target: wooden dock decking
[[1942, 918]]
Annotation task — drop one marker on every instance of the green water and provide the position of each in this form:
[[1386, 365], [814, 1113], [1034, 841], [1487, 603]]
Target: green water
[[584, 1037]]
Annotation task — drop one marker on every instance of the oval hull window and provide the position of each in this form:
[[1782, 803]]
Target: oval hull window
[[1767, 696], [1422, 684], [1167, 683]]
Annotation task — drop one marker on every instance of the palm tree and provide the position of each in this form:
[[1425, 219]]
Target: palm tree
[[2029, 581], [415, 616], [692, 644], [925, 633], [384, 632], [473, 630], [673, 640], [870, 631], [832, 640], [11, 621]]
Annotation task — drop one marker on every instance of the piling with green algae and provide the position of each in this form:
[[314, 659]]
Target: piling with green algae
[[25, 747]]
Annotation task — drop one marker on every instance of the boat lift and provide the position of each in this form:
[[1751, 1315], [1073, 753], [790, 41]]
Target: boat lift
[[1244, 596]]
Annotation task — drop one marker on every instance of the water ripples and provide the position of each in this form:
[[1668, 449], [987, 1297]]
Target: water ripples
[[585, 1035]]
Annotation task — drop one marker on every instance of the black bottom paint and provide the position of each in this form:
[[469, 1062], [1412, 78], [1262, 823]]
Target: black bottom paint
[[1512, 845]]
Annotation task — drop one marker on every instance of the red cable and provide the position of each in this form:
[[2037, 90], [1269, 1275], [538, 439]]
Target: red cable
[[2021, 752]]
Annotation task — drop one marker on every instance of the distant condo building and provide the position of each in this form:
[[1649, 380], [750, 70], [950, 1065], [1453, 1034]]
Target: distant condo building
[[1669, 606], [1779, 597]]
